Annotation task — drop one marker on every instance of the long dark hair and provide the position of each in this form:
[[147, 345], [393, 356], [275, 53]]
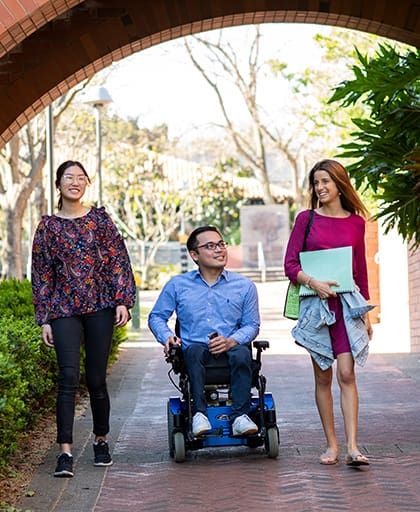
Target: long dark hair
[[349, 198], [59, 174]]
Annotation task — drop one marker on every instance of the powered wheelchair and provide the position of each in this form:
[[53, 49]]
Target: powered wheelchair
[[217, 392]]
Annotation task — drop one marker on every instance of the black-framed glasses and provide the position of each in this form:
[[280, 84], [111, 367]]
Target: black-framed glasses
[[211, 246]]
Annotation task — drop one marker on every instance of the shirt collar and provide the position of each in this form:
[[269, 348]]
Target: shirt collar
[[224, 274]]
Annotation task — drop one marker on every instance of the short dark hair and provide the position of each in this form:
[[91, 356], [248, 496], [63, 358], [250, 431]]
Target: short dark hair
[[192, 239]]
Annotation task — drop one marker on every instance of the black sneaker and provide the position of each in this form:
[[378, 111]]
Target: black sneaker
[[102, 456], [64, 466]]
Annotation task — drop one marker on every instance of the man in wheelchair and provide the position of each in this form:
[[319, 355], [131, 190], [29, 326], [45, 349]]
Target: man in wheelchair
[[217, 311]]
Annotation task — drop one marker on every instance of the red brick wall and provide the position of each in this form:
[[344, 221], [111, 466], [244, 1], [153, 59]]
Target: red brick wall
[[371, 241], [414, 298], [19, 19]]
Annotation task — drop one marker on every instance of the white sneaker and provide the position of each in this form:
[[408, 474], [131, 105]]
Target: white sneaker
[[243, 426], [200, 424]]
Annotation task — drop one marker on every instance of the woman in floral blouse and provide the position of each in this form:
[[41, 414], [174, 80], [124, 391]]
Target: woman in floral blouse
[[82, 285]]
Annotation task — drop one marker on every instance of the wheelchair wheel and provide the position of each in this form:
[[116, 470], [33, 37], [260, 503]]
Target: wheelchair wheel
[[272, 442], [170, 418], [179, 447]]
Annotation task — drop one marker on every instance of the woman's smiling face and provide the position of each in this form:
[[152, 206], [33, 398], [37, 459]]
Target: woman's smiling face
[[325, 188], [73, 183]]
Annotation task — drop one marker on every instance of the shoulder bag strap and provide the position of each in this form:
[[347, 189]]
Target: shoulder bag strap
[[308, 228]]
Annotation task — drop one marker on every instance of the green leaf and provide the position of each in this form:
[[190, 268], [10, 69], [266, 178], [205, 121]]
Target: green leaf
[[384, 150]]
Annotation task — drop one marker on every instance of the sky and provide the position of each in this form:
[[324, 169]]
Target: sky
[[160, 84]]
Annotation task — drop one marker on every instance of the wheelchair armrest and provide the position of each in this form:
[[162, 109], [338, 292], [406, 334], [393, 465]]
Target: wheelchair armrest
[[261, 344]]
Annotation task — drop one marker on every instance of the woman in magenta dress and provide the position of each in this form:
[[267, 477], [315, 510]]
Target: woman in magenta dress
[[336, 223], [82, 285]]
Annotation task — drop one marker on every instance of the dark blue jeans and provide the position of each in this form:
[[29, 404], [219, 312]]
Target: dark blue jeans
[[95, 330], [239, 357]]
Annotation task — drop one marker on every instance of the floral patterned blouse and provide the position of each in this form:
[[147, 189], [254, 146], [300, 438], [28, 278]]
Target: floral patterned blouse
[[79, 266]]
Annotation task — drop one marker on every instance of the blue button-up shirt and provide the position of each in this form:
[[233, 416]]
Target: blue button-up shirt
[[228, 306]]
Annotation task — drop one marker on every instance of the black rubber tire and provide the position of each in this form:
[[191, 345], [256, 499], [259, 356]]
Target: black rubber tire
[[272, 443], [179, 447]]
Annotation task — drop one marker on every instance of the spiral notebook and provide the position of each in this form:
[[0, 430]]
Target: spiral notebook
[[329, 265]]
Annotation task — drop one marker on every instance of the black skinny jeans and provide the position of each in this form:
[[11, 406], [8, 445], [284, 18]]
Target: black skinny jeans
[[95, 329]]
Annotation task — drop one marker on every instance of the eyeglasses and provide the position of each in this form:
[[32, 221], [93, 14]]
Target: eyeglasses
[[211, 246], [69, 178]]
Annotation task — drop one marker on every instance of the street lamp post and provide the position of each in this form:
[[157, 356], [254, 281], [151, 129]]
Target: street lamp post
[[98, 97], [50, 157]]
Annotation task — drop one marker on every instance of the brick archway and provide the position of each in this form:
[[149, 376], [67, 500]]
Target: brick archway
[[48, 46]]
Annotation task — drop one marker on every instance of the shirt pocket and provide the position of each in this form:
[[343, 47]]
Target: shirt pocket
[[231, 308], [309, 321]]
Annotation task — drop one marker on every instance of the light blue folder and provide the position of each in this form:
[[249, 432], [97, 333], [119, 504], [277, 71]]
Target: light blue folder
[[329, 265]]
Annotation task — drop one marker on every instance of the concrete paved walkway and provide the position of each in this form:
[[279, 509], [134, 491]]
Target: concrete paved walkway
[[144, 478]]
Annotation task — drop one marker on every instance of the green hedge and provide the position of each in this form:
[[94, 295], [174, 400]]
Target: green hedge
[[28, 368], [27, 371], [16, 298]]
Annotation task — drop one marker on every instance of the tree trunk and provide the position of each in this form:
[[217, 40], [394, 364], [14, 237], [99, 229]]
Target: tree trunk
[[261, 172], [40, 201], [253, 150], [16, 187], [14, 214], [13, 264]]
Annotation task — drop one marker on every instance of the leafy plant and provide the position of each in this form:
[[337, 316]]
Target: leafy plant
[[16, 298], [12, 405], [28, 369], [385, 149], [27, 372]]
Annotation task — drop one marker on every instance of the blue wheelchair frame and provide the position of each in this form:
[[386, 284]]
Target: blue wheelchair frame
[[179, 415]]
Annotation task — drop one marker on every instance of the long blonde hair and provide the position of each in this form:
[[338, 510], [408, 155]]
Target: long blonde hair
[[349, 198]]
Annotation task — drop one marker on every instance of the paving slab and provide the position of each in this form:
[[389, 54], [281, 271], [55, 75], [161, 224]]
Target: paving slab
[[144, 478]]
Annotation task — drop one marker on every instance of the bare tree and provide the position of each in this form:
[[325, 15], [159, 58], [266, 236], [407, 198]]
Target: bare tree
[[150, 208], [223, 62], [21, 163]]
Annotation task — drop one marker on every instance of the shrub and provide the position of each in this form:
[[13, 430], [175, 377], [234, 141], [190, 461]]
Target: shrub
[[12, 406], [16, 298], [36, 361], [26, 380], [120, 335], [158, 276], [28, 369]]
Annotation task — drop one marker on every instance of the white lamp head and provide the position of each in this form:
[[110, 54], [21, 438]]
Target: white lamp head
[[97, 96]]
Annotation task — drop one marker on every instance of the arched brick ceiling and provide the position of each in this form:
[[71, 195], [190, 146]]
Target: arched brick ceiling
[[19, 19], [47, 47]]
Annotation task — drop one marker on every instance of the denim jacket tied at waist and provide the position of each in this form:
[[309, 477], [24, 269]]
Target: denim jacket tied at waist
[[312, 331]]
